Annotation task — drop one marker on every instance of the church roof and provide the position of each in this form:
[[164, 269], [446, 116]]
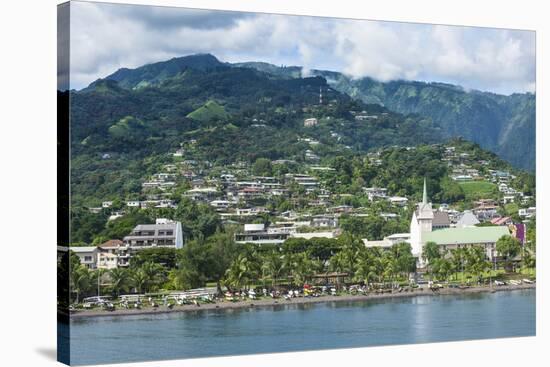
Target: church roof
[[468, 219], [441, 219], [467, 235]]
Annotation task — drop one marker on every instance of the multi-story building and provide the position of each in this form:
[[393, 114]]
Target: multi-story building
[[164, 233], [87, 255], [112, 254], [258, 234]]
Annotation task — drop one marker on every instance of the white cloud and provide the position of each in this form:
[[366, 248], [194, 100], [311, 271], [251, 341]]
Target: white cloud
[[106, 37]]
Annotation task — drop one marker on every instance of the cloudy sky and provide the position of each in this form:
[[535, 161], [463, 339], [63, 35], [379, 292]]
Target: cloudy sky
[[106, 37]]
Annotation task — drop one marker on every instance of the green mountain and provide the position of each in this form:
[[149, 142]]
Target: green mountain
[[232, 114], [153, 74], [503, 124]]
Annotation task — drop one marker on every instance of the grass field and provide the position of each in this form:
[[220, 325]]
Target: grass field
[[478, 189], [211, 110]]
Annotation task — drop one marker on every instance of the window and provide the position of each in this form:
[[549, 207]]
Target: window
[[87, 258]]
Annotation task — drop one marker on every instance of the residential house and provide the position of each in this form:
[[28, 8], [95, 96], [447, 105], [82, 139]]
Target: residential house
[[310, 122], [112, 254], [398, 200], [528, 212], [258, 234], [502, 221], [87, 255]]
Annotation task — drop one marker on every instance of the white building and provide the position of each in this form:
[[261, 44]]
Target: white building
[[87, 255], [164, 233], [421, 222], [528, 212], [310, 122], [398, 200]]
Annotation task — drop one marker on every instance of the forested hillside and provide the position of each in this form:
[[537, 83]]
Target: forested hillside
[[502, 124], [123, 130]]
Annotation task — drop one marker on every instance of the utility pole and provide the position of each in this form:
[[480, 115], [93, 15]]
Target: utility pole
[[98, 282]]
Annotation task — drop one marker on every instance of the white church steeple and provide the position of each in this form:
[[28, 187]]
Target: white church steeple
[[421, 223], [425, 195]]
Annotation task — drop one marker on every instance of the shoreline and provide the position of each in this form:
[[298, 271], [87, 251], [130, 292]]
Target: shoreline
[[224, 305]]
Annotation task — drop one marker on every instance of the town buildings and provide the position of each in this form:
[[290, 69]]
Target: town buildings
[[429, 225]]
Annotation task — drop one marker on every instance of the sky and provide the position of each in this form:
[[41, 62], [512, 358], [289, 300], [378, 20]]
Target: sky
[[106, 37]]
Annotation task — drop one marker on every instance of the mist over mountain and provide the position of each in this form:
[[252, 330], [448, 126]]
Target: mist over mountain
[[503, 124]]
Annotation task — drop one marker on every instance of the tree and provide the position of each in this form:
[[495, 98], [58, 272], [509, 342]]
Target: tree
[[442, 268], [273, 265], [239, 273], [430, 252], [508, 247], [390, 266], [221, 251], [120, 279], [159, 255], [458, 259], [199, 221], [122, 226], [154, 273], [262, 167], [345, 260], [476, 262], [138, 279], [366, 266], [80, 280], [303, 267], [404, 259]]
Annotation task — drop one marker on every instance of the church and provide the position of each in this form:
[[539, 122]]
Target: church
[[429, 225]]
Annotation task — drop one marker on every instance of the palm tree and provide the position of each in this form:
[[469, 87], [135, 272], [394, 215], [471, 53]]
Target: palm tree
[[508, 247], [273, 265], [119, 280], [476, 262], [430, 252], [302, 267], [390, 266], [458, 259], [365, 267], [154, 273], [239, 272], [80, 280], [139, 280], [288, 265], [442, 267]]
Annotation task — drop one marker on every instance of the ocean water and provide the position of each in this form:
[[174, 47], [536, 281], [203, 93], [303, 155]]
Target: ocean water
[[285, 328]]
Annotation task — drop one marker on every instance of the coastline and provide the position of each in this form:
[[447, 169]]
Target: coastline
[[300, 300]]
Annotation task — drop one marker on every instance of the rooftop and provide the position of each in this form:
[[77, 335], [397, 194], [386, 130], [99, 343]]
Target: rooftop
[[468, 235]]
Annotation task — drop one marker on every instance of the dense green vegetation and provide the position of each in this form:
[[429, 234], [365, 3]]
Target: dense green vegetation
[[205, 119], [474, 190], [120, 135], [211, 111], [502, 124], [219, 260]]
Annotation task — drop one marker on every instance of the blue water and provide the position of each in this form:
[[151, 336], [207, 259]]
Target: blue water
[[283, 328]]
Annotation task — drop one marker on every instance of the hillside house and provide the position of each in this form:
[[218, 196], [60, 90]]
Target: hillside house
[[528, 212], [87, 255], [310, 122]]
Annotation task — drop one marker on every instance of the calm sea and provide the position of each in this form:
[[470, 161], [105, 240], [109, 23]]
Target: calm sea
[[284, 328]]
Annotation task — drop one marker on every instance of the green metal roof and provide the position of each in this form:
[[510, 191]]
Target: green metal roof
[[466, 235]]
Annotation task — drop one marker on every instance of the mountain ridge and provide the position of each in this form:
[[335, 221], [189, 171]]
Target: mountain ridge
[[503, 124]]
